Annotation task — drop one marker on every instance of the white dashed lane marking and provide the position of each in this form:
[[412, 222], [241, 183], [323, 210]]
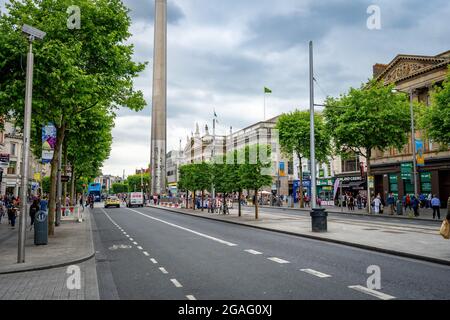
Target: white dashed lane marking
[[154, 261], [316, 273], [374, 293], [163, 270], [145, 253], [190, 297], [140, 248], [253, 252], [278, 260], [176, 283], [135, 243], [186, 229]]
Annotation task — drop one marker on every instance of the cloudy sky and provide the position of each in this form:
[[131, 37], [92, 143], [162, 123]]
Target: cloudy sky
[[221, 53]]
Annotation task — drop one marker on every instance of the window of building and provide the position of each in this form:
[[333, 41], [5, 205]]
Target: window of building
[[290, 167], [350, 164], [12, 167], [13, 149]]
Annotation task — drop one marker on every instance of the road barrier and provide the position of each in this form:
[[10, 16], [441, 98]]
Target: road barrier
[[71, 214]]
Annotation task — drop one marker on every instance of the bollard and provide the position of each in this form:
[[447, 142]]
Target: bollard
[[319, 220]]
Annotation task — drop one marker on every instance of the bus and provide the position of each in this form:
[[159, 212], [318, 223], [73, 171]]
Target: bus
[[95, 189]]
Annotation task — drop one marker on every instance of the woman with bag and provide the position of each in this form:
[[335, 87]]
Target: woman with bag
[[445, 227]]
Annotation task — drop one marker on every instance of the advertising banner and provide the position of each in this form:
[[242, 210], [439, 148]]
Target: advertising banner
[[420, 153], [48, 142], [282, 170]]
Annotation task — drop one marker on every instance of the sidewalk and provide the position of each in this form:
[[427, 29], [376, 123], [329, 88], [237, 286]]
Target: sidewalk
[[413, 241], [71, 244], [424, 214]]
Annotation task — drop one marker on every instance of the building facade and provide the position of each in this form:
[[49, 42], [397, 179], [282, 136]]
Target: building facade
[[390, 168], [11, 144]]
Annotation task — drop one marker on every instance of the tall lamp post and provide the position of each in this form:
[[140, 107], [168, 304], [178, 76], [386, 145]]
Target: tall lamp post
[[32, 34], [413, 139], [318, 215]]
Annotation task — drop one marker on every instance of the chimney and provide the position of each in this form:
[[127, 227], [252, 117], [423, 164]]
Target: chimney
[[378, 69]]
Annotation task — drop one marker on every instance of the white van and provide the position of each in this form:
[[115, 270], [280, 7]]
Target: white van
[[135, 199]]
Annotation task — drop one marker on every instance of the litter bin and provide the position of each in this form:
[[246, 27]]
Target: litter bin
[[399, 208], [41, 228], [319, 220]]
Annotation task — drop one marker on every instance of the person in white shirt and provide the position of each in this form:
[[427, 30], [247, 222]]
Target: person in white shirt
[[377, 204]]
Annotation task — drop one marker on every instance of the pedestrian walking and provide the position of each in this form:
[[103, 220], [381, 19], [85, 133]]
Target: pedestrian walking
[[391, 203], [436, 205], [377, 204], [445, 227], [415, 205], [34, 209]]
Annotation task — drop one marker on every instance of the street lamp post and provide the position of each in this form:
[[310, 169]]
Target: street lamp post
[[32, 34], [413, 139], [318, 215]]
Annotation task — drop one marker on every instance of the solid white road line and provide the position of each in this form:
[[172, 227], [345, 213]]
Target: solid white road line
[[253, 252], [163, 270], [190, 297], [176, 283], [316, 273], [154, 261], [186, 229], [377, 294], [278, 260], [140, 248], [146, 253]]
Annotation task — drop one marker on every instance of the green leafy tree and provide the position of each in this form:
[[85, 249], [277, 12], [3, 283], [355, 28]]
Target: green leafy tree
[[76, 70], [294, 135], [139, 182], [254, 172], [371, 117], [436, 118], [119, 188]]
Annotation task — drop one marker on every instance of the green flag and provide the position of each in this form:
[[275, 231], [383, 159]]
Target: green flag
[[267, 90]]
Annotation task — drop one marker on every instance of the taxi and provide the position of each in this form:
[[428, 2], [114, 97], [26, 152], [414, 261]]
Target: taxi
[[112, 201]]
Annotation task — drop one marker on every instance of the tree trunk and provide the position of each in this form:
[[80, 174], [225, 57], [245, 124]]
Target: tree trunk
[[239, 203], [256, 205], [369, 196], [203, 196], [65, 171], [187, 199], [193, 200], [224, 197], [73, 194], [53, 177]]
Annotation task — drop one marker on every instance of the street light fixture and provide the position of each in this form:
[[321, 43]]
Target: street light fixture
[[32, 34]]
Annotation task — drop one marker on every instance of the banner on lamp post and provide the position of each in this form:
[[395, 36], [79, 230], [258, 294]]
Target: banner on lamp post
[[420, 157], [48, 142]]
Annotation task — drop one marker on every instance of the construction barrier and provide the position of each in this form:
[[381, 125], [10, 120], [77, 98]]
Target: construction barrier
[[71, 214]]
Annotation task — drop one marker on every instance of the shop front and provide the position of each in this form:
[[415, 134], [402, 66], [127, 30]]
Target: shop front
[[325, 191]]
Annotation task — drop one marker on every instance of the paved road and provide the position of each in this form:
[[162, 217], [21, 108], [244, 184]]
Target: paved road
[[149, 253]]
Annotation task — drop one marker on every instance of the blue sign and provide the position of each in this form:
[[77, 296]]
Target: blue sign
[[296, 185]]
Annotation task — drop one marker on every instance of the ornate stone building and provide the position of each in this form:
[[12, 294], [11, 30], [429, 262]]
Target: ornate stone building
[[419, 74]]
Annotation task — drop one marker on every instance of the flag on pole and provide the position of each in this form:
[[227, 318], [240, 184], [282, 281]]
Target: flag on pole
[[267, 90]]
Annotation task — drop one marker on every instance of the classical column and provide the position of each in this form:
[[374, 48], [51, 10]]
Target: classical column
[[159, 109]]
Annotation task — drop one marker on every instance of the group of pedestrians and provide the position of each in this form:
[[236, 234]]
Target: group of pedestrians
[[9, 206]]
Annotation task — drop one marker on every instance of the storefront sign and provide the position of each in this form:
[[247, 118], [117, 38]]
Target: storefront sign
[[324, 182], [351, 179], [4, 160], [406, 170], [37, 177]]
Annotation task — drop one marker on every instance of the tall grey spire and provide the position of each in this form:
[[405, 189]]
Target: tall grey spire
[[159, 109]]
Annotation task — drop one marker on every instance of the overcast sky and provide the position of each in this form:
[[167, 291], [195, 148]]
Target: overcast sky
[[222, 53]]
